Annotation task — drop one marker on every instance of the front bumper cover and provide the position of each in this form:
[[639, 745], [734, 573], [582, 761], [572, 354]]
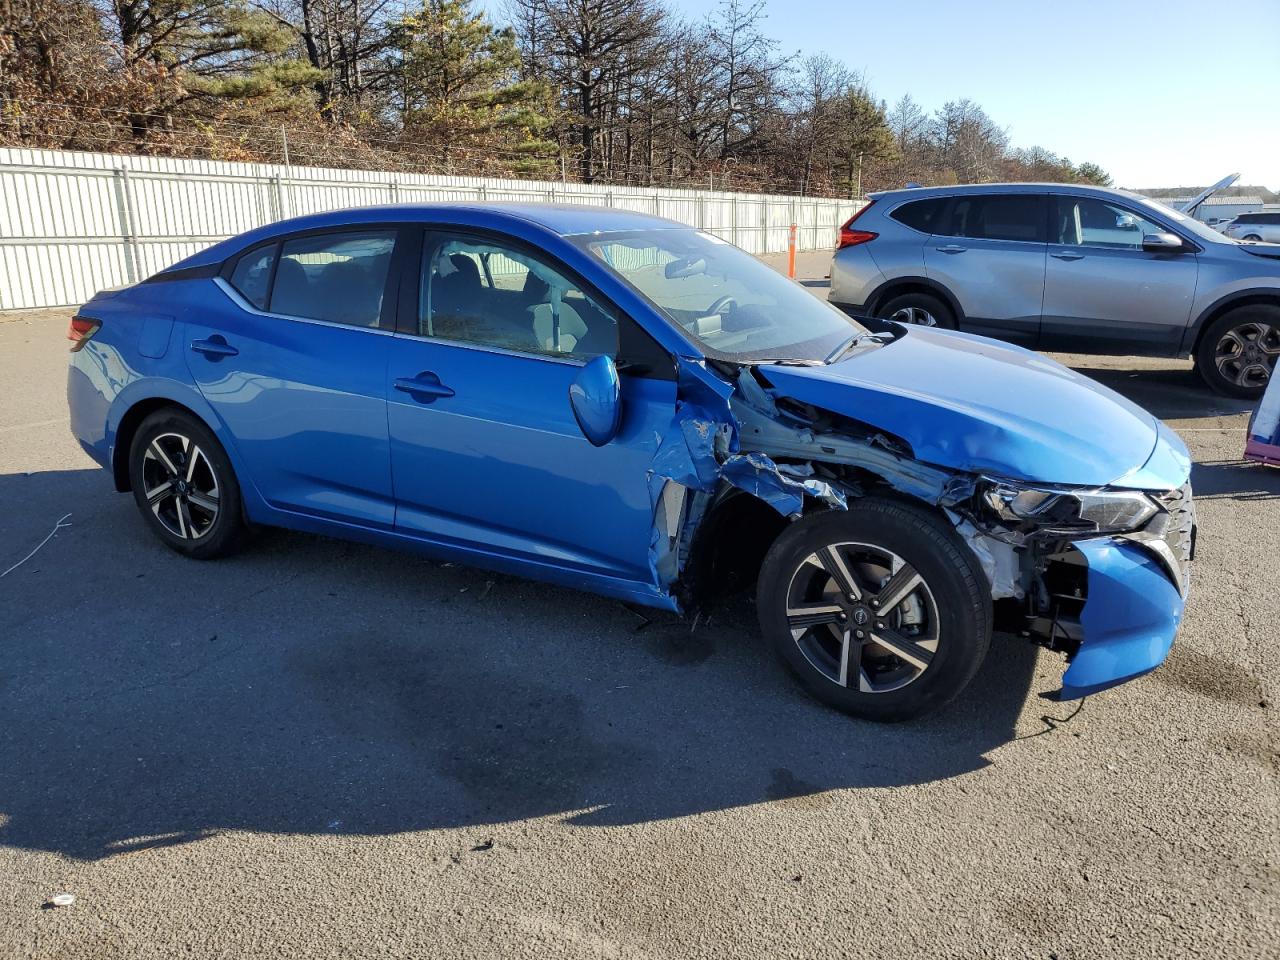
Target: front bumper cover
[[1129, 620]]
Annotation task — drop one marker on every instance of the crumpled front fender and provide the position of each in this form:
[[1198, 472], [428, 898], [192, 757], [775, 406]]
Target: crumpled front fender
[[1129, 619]]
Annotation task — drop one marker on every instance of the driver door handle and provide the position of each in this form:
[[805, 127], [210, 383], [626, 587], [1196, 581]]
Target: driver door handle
[[1067, 255], [952, 248]]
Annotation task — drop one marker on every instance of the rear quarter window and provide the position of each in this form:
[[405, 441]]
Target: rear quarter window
[[922, 215], [252, 274]]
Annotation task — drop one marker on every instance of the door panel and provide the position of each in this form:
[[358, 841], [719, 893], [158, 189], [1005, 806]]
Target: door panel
[[990, 254], [1103, 292], [304, 394], [306, 405], [500, 462]]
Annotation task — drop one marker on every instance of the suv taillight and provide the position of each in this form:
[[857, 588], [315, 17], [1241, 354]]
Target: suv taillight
[[81, 329], [849, 237]]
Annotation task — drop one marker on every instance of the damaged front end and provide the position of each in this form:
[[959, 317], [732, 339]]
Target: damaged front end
[[1097, 573]]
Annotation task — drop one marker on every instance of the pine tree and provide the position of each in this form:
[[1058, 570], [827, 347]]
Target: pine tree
[[460, 86]]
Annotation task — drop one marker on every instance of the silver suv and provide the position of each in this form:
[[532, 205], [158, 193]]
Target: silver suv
[[1254, 227], [1070, 268]]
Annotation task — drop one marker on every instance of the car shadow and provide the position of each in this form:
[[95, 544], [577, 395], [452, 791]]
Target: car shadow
[[312, 686], [1174, 392], [1242, 480]]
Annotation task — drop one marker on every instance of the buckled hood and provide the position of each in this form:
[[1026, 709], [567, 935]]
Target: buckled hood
[[976, 405]]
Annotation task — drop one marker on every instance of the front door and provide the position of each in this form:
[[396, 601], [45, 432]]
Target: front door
[[989, 252], [293, 359], [1103, 292], [484, 446]]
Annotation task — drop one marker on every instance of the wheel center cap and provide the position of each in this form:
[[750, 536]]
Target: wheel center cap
[[182, 487], [860, 615]]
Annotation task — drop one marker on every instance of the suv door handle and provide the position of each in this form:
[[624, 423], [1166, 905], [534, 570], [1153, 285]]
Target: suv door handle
[[1065, 255], [215, 348], [952, 248], [425, 387]]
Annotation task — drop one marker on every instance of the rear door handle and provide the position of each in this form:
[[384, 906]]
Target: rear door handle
[[1064, 255], [215, 348], [426, 386], [952, 248]]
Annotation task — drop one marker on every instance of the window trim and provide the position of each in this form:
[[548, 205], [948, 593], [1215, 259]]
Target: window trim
[[387, 317], [410, 304]]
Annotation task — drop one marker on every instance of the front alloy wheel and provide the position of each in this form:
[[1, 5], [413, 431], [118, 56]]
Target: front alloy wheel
[[1245, 355], [863, 616], [881, 610], [1237, 354]]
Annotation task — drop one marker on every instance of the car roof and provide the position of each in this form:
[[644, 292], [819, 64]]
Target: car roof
[[960, 189], [564, 219], [561, 219]]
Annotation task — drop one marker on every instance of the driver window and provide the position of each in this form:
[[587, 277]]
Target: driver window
[[497, 296], [1086, 222]]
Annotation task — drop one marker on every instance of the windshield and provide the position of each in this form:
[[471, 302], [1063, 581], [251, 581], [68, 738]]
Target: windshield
[[1189, 224], [726, 300]]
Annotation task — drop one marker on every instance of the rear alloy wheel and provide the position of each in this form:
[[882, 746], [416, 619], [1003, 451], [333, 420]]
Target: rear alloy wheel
[[1237, 354], [881, 610], [184, 486], [918, 309]]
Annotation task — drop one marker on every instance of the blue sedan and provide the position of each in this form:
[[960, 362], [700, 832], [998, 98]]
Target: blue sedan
[[622, 404]]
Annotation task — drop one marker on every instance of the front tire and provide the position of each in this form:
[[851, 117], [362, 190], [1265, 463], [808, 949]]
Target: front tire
[[880, 610], [185, 487], [1238, 352]]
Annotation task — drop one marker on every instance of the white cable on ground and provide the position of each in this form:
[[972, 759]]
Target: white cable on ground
[[58, 526]]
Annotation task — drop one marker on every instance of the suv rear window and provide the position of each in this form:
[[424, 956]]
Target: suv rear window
[[1270, 218], [920, 215], [998, 216]]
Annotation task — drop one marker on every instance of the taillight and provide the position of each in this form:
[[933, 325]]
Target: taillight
[[81, 329], [849, 237]]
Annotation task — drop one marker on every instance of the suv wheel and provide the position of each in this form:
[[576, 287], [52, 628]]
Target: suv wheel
[[1252, 238], [881, 610], [184, 486], [921, 309], [1238, 352]]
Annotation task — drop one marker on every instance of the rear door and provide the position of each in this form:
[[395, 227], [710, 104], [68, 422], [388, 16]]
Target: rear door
[[293, 360], [989, 251], [1103, 292], [485, 449]]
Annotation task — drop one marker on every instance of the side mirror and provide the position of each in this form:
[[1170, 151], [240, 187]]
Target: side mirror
[[596, 398], [1162, 243]]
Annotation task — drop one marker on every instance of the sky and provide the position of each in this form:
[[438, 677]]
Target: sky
[[1159, 94]]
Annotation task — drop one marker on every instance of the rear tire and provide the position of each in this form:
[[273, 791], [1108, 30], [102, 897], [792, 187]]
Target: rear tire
[[1237, 353], [921, 644], [1252, 238], [185, 487], [920, 309]]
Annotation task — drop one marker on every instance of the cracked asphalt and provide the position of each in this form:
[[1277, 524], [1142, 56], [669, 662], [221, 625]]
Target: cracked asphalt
[[320, 749]]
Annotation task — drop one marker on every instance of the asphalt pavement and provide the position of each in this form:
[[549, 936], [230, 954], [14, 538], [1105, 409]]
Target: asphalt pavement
[[321, 749]]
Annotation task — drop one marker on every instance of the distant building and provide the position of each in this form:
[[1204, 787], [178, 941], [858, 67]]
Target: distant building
[[1217, 208]]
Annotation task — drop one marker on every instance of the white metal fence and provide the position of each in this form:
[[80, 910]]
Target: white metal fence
[[73, 223]]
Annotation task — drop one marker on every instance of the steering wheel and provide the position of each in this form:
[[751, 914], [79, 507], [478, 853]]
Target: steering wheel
[[722, 305]]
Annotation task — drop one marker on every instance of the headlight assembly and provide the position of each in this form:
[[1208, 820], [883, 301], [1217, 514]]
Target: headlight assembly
[[1070, 511]]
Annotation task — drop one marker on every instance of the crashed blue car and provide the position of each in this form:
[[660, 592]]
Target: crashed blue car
[[621, 404]]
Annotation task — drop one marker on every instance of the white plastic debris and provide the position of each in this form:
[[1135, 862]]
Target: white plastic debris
[[63, 899]]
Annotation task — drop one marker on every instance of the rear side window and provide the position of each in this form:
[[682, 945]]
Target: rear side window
[[1009, 216], [338, 277], [252, 275], [921, 215], [1251, 218]]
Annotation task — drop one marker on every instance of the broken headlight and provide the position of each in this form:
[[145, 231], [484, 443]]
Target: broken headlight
[[1069, 511]]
